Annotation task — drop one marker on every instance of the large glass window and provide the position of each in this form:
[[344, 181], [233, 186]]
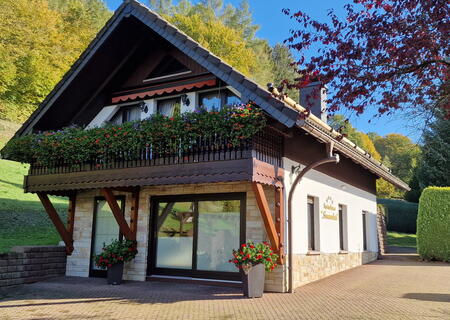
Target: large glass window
[[364, 229], [342, 227], [195, 235]]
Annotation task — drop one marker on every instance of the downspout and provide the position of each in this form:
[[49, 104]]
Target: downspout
[[329, 159]]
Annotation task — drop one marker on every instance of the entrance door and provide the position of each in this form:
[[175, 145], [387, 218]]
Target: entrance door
[[194, 235], [104, 230]]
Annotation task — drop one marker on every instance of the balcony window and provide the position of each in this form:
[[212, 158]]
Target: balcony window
[[168, 107], [215, 100], [126, 114]]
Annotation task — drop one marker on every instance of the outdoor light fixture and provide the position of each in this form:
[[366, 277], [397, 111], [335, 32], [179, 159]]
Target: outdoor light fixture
[[143, 107], [185, 99]]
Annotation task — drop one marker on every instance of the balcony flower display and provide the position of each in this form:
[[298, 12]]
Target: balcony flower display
[[158, 133]]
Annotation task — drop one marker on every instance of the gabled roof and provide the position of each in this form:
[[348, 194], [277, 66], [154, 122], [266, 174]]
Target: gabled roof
[[277, 108], [247, 87]]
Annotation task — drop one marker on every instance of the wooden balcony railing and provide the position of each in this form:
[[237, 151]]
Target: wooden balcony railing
[[266, 146]]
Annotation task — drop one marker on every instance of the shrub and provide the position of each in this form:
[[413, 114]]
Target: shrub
[[78, 145], [433, 224], [401, 215]]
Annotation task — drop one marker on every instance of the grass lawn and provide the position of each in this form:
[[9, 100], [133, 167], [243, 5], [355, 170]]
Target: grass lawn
[[23, 220], [399, 239]]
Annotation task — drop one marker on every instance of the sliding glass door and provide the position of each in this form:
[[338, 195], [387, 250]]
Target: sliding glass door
[[195, 235]]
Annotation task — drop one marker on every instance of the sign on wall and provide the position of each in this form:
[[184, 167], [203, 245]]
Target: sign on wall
[[329, 209]]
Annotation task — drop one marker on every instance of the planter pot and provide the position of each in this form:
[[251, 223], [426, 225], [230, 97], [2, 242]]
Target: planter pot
[[253, 281], [115, 273]]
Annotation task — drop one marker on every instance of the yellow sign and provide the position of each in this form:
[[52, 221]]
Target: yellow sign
[[329, 210]]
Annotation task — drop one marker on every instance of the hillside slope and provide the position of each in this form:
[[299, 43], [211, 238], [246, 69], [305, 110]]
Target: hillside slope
[[23, 220]]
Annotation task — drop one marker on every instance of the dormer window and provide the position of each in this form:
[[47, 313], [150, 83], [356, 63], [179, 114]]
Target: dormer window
[[215, 100], [127, 114], [167, 68]]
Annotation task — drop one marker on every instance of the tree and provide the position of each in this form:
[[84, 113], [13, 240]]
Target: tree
[[388, 54], [282, 70], [39, 42], [223, 41], [401, 152], [434, 167]]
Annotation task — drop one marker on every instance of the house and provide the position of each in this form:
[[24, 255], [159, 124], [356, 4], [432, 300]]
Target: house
[[297, 183]]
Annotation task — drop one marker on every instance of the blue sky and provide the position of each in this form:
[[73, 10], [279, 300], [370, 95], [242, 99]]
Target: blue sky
[[275, 26]]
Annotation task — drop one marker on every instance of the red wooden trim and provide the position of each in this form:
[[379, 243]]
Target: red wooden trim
[[134, 212], [173, 89], [266, 215], [279, 221], [59, 225], [123, 225], [71, 215]]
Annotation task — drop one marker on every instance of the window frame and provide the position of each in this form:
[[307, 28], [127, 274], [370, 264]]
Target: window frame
[[313, 225], [220, 92], [152, 269]]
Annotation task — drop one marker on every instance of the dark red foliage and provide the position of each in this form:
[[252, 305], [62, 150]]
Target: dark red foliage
[[388, 54]]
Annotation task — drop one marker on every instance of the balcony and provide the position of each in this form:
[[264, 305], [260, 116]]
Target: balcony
[[206, 160]]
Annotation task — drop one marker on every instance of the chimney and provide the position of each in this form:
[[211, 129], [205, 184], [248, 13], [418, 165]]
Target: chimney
[[314, 98]]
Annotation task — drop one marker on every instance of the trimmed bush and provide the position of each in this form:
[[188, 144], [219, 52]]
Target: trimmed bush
[[433, 224], [401, 215]]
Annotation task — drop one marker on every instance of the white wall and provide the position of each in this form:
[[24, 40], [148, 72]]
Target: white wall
[[321, 187]]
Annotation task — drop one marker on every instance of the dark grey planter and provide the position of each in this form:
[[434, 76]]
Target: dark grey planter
[[253, 281], [115, 273]]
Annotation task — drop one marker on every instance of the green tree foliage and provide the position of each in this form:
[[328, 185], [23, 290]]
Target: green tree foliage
[[229, 32], [434, 168], [395, 151], [39, 41], [433, 224], [401, 152]]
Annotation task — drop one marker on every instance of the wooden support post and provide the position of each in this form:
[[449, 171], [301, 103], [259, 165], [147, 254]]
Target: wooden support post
[[117, 212], [53, 215], [71, 214], [266, 215], [134, 211], [279, 221]]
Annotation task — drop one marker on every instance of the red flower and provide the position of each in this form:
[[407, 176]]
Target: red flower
[[243, 245], [235, 261], [268, 259], [252, 246]]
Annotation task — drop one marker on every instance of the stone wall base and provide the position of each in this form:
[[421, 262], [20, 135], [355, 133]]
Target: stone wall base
[[309, 268], [31, 263]]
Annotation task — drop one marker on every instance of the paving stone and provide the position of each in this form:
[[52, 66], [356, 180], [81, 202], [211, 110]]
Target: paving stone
[[385, 289]]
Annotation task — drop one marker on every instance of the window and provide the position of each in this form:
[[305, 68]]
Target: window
[[126, 114], [342, 227], [214, 100], [104, 230], [195, 234], [168, 107], [311, 225], [364, 229]]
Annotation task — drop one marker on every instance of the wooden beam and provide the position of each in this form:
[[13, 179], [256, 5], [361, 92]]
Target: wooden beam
[[279, 221], [134, 211], [53, 215], [117, 212], [71, 214], [266, 215]]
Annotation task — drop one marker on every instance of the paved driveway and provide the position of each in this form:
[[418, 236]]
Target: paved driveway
[[387, 289]]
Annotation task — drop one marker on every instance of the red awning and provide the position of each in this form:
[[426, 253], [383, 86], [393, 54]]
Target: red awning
[[157, 90]]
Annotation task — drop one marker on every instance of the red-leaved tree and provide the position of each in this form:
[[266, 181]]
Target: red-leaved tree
[[387, 54]]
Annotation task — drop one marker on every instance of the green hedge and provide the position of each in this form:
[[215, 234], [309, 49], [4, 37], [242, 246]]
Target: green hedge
[[433, 224], [401, 215]]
